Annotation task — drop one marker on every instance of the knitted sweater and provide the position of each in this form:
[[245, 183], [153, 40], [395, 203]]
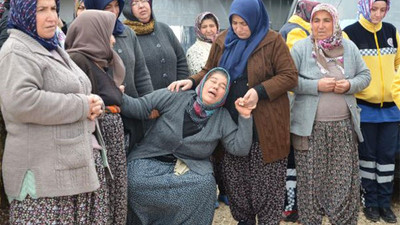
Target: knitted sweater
[[197, 56], [164, 56], [44, 104]]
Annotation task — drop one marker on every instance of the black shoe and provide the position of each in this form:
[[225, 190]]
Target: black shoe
[[372, 213], [292, 217], [387, 215]]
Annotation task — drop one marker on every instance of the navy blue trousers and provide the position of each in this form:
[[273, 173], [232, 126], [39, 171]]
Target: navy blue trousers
[[377, 162]]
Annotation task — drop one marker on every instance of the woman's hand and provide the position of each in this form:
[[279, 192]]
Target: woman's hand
[[96, 106], [122, 88], [184, 84], [242, 109], [154, 114], [342, 86], [250, 99], [326, 84]]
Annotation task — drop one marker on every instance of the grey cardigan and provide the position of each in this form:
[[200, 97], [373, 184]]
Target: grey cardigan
[[44, 103], [164, 56], [307, 95], [137, 80], [165, 136]]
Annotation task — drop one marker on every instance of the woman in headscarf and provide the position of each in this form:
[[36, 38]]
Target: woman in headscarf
[[170, 175], [378, 44], [298, 26], [325, 121], [137, 79], [53, 169], [79, 7], [262, 71], [207, 28], [164, 55], [106, 71]]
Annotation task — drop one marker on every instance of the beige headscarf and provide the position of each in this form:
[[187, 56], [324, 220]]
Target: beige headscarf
[[89, 34]]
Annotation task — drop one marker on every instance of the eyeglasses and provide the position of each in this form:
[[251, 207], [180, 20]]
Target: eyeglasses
[[139, 1]]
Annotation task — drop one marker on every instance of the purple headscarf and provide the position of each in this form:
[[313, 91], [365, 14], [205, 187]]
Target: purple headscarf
[[197, 26], [304, 9], [364, 7], [22, 16]]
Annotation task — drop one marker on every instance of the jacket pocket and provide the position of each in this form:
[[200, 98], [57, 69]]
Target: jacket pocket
[[73, 153]]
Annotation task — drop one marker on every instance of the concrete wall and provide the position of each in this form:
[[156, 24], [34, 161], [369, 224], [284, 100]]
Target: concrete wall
[[184, 12]]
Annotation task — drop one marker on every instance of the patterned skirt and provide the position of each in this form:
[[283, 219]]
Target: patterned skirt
[[85, 208], [157, 196], [328, 180], [256, 190], [113, 134]]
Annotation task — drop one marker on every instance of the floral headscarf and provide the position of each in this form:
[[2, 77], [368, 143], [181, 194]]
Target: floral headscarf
[[197, 26], [304, 9], [329, 49], [200, 112], [364, 7], [22, 16]]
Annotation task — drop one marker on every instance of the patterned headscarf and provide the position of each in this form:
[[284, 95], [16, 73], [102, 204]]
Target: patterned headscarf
[[237, 51], [99, 24], [364, 7], [331, 48], [101, 5], [197, 26], [22, 16], [304, 9], [200, 112]]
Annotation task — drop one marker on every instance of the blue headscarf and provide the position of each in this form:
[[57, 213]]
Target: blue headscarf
[[101, 5], [22, 16], [237, 51]]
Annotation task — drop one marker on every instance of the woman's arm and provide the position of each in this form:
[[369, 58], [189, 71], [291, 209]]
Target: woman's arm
[[140, 108], [22, 94], [237, 139], [363, 76], [305, 85]]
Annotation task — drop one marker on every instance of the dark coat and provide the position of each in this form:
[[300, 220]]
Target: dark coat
[[272, 66]]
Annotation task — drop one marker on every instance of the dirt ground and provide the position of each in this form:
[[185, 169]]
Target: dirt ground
[[223, 217]]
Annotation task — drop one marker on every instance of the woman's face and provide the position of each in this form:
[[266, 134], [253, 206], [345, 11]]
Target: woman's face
[[80, 9], [113, 7], [46, 18], [208, 28], [141, 10], [378, 11], [214, 88], [322, 25], [240, 27]]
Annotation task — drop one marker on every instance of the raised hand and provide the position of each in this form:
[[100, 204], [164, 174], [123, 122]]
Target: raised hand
[[184, 84]]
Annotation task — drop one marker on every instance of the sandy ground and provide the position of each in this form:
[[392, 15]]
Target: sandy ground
[[223, 217]]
